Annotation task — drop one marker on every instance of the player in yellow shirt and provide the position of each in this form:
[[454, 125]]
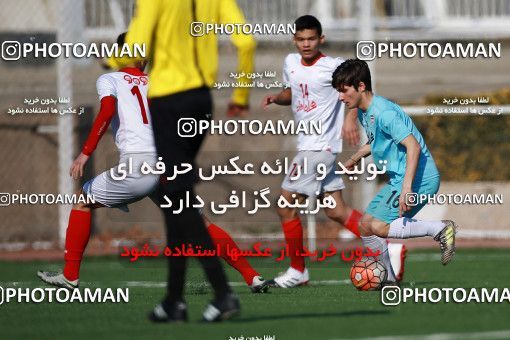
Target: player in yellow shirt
[[183, 68]]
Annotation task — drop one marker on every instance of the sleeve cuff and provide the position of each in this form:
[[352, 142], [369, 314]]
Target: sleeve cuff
[[402, 137]]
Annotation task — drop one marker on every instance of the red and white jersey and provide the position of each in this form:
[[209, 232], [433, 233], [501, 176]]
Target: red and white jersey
[[314, 99], [131, 125]]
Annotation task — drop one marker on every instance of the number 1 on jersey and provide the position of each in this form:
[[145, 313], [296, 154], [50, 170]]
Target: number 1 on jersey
[[136, 91]]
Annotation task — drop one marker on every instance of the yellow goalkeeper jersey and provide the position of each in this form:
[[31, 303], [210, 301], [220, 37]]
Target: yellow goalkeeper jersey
[[180, 61]]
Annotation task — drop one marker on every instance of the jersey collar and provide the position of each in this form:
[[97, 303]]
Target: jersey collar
[[369, 109], [314, 61]]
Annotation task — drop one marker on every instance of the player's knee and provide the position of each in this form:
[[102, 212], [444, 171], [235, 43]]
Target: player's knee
[[84, 206], [286, 213], [81, 207], [380, 230], [334, 214], [207, 222]]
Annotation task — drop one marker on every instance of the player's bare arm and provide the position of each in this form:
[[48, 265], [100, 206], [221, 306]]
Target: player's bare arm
[[363, 152], [76, 170], [413, 155], [350, 130], [99, 127], [282, 98]]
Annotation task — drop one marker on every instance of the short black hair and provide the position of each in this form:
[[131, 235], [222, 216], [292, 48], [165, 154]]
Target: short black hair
[[350, 73], [308, 22], [121, 39]]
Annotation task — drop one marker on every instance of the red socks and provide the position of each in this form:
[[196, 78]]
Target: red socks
[[352, 222], [293, 231], [221, 237], [77, 237]]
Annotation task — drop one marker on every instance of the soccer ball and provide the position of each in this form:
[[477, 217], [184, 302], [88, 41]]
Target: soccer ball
[[368, 274]]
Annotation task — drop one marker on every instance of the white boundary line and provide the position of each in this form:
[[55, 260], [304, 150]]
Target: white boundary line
[[161, 284], [503, 334], [463, 234]]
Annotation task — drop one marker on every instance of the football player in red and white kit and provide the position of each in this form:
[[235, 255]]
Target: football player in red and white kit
[[123, 97], [307, 88]]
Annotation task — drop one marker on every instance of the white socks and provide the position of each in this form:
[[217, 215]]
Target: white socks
[[401, 228], [377, 243], [405, 227]]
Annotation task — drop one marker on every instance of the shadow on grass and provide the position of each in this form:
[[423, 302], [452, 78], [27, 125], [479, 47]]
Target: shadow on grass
[[421, 284]]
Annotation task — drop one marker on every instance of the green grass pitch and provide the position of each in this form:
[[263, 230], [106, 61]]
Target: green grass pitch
[[329, 308]]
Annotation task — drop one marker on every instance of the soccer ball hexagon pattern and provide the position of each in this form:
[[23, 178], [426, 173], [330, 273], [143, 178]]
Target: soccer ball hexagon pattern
[[368, 274]]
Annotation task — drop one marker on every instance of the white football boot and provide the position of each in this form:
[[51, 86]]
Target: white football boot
[[290, 279], [57, 279], [259, 285], [397, 253]]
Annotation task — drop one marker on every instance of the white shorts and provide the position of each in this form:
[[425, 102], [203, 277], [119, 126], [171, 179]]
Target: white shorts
[[119, 193], [307, 184]]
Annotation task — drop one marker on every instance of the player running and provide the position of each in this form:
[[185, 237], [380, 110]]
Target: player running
[[123, 97], [307, 81], [393, 137]]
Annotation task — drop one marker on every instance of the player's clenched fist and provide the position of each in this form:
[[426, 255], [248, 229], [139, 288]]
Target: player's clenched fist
[[269, 99], [77, 166], [236, 110], [403, 204], [350, 164]]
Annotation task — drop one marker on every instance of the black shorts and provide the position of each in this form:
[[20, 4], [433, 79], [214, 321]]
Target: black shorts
[[174, 116]]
